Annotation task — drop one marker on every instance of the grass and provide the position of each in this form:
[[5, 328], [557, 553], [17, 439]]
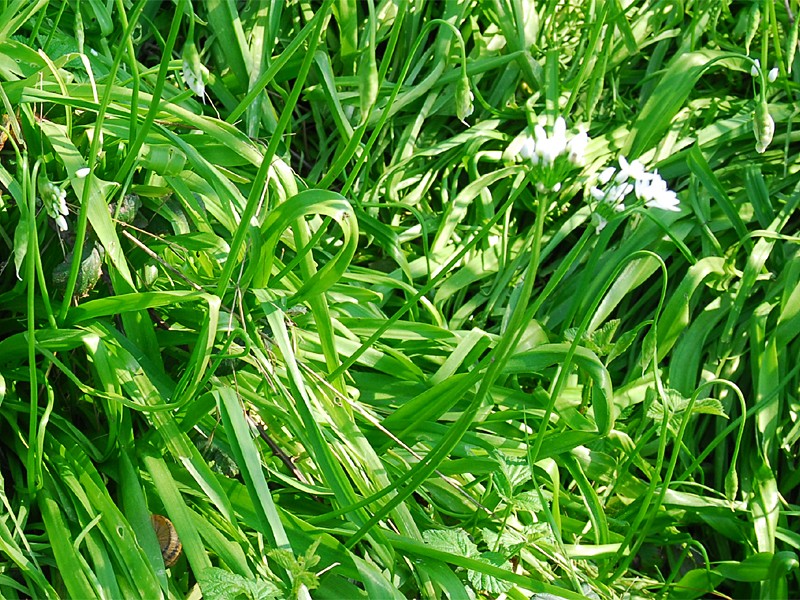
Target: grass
[[311, 305]]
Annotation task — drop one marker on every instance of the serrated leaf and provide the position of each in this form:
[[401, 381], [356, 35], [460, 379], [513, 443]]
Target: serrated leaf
[[219, 584], [299, 568], [529, 501], [648, 347], [284, 558], [487, 583], [603, 337], [513, 473], [709, 406], [623, 343], [589, 592], [508, 539], [540, 534], [454, 541], [569, 336]]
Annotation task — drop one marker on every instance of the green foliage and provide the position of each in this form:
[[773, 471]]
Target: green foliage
[[399, 299]]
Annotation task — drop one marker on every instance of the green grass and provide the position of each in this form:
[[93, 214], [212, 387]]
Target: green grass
[[312, 305]]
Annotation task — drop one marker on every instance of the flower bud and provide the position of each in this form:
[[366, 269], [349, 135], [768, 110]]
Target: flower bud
[[773, 74], [464, 98], [763, 127]]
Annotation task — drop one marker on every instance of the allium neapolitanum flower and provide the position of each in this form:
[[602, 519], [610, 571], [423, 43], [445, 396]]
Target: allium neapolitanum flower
[[552, 156], [614, 186], [772, 75], [54, 200]]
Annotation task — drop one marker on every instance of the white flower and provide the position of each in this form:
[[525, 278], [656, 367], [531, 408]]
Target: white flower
[[648, 187], [633, 170], [528, 148], [773, 74], [550, 148], [576, 148], [754, 70], [553, 156], [597, 194], [82, 172], [616, 194], [656, 194], [606, 175]]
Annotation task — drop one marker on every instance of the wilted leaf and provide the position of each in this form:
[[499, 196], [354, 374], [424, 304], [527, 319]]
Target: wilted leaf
[[88, 274]]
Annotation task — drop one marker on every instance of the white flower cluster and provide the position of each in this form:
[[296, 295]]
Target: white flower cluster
[[647, 186], [545, 153], [54, 200], [554, 158]]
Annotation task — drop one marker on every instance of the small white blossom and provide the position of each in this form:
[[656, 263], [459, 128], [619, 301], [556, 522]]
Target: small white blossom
[[606, 175], [773, 74], [528, 148], [597, 194], [576, 148], [656, 194], [754, 70], [82, 172], [550, 148], [616, 194], [633, 170]]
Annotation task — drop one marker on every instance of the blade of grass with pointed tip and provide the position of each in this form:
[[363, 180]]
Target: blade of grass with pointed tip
[[248, 458]]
